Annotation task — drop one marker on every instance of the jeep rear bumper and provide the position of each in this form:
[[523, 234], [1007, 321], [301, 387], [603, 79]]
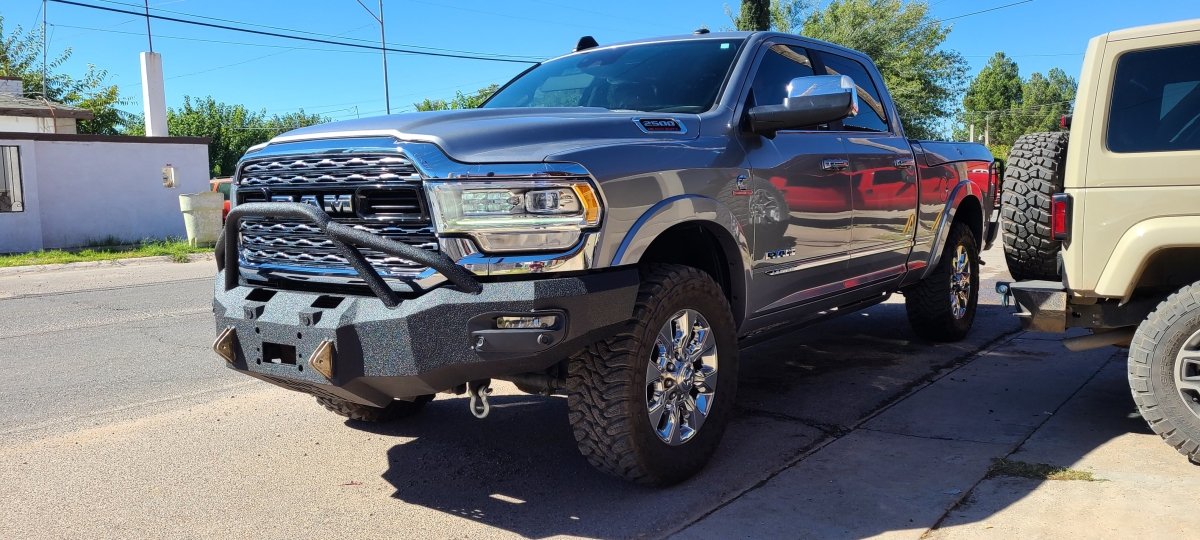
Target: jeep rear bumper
[[426, 344], [1047, 306]]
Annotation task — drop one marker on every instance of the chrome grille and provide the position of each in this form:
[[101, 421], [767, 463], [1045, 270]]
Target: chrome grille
[[336, 170], [387, 197]]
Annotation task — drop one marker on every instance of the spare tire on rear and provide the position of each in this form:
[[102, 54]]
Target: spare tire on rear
[[1032, 175]]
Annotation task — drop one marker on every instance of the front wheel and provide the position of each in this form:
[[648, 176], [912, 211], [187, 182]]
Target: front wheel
[[647, 404], [942, 306], [1164, 370]]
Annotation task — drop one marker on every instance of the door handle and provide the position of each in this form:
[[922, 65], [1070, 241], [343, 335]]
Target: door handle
[[905, 163], [835, 164]]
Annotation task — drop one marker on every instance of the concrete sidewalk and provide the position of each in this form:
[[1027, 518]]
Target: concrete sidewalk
[[924, 466]]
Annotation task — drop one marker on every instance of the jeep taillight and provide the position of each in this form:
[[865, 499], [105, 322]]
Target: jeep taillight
[[1060, 217]]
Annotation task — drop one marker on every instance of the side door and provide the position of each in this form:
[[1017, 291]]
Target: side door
[[799, 189], [883, 176]]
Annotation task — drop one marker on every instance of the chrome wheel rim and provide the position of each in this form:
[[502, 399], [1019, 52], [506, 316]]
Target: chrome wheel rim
[[960, 283], [1187, 373], [681, 377]]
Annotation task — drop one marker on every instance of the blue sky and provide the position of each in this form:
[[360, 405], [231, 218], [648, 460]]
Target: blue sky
[[282, 76]]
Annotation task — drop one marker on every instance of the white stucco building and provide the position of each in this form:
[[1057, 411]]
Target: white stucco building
[[59, 189]]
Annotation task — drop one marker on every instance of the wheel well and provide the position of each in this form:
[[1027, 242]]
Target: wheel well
[[971, 213], [1169, 269], [706, 247]]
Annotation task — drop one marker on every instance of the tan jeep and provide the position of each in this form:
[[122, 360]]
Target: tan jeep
[[1105, 231]]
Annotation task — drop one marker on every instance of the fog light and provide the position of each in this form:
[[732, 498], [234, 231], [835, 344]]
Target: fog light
[[224, 345], [534, 321], [322, 359]]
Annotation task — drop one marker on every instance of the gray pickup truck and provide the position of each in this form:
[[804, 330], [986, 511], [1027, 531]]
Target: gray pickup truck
[[611, 225]]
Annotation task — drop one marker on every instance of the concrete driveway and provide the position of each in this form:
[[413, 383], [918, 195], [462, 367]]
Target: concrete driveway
[[117, 421]]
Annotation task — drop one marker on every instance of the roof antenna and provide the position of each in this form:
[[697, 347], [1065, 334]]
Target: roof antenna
[[700, 31], [585, 43]]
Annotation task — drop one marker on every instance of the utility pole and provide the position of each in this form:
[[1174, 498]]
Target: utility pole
[[987, 127], [387, 95], [972, 132], [44, 3], [149, 39]]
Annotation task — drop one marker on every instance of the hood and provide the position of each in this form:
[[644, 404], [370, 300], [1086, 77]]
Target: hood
[[512, 135]]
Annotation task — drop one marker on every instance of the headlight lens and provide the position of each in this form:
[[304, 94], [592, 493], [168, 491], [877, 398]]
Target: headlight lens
[[516, 215]]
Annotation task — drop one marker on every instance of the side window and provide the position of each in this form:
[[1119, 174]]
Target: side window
[[871, 115], [11, 197], [1156, 101], [779, 66]]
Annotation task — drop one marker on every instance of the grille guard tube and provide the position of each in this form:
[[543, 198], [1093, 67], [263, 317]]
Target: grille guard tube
[[345, 238]]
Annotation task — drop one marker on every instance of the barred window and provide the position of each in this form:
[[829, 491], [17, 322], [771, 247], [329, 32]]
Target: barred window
[[12, 199]]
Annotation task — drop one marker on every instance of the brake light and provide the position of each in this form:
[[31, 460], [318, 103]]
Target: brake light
[[1064, 121], [994, 183], [1060, 217]]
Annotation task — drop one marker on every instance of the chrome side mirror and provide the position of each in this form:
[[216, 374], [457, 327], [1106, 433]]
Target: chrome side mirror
[[810, 101]]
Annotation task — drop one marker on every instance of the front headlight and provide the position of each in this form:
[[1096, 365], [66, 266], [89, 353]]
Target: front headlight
[[516, 215]]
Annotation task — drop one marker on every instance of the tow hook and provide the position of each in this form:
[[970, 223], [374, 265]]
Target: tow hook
[[479, 392], [1005, 294]]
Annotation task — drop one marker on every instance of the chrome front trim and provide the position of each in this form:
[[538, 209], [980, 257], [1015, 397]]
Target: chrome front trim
[[463, 251], [431, 164]]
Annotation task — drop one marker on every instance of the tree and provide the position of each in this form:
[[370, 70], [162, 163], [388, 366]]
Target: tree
[[999, 101], [459, 101], [994, 91], [754, 15], [232, 129], [905, 43], [21, 56]]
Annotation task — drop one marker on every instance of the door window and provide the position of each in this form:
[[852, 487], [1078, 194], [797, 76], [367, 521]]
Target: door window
[[11, 197], [1156, 101], [871, 115], [779, 66]]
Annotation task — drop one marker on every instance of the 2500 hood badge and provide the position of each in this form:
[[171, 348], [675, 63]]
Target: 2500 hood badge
[[660, 125]]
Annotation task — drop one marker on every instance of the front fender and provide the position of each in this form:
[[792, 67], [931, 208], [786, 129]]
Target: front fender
[[689, 208], [963, 191], [1133, 251]]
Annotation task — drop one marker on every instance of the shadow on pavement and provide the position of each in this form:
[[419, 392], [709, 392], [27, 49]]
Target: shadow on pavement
[[519, 471]]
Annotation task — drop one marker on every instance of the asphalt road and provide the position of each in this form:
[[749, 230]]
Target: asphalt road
[[116, 420]]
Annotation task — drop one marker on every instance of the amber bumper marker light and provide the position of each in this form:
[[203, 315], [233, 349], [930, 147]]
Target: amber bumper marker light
[[322, 359], [224, 346]]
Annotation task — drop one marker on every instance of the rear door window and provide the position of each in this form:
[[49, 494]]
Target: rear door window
[[1155, 104], [871, 115]]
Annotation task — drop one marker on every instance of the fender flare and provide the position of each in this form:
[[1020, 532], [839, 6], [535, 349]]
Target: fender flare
[[1139, 243], [699, 209], [963, 190]]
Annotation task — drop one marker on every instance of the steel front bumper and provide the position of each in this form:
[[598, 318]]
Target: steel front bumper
[[373, 349], [425, 344]]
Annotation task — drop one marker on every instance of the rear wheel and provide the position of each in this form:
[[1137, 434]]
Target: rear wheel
[[942, 306], [1032, 175], [365, 413], [647, 404], [1164, 370]]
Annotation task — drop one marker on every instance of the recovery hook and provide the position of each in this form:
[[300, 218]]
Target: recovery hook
[[479, 392]]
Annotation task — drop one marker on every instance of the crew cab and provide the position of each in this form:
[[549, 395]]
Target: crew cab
[[610, 226]]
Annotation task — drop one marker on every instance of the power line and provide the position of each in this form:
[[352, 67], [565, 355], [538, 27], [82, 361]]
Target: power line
[[975, 12], [473, 56], [298, 31]]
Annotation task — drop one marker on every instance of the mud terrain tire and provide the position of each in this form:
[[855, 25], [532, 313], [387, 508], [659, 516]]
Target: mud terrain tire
[[610, 390], [1032, 175], [365, 413], [1165, 349]]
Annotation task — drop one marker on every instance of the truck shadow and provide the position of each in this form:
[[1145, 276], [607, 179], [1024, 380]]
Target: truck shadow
[[519, 471]]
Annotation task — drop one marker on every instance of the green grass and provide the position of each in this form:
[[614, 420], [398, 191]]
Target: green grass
[[1037, 471], [106, 249]]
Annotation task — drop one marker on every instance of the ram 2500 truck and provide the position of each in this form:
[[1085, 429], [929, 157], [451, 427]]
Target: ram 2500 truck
[[608, 226]]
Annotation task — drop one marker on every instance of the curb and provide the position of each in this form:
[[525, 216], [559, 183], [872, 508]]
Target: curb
[[132, 261]]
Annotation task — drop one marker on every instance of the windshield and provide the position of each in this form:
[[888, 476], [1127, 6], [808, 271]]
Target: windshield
[[678, 76]]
